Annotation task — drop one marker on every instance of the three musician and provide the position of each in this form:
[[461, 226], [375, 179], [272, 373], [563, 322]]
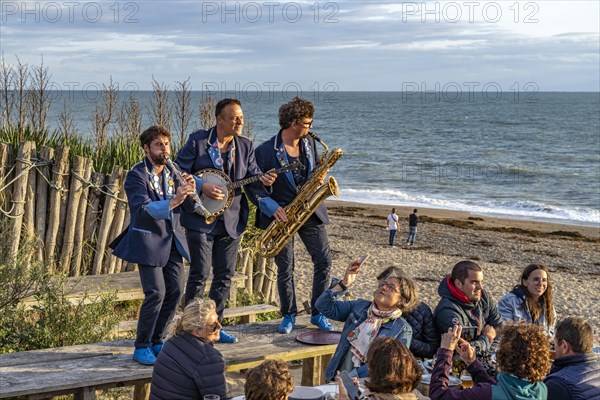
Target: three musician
[[163, 201], [214, 246], [155, 240], [293, 142]]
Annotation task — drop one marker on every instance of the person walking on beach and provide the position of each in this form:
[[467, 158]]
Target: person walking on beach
[[392, 225], [292, 143], [155, 240], [413, 221], [216, 244]]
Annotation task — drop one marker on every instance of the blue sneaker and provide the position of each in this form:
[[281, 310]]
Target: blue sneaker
[[321, 322], [156, 348], [287, 324], [144, 355], [225, 337]]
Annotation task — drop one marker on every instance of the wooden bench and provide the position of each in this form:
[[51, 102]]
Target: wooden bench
[[84, 369], [247, 315], [126, 284]]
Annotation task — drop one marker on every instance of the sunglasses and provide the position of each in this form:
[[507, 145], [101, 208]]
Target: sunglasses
[[214, 326]]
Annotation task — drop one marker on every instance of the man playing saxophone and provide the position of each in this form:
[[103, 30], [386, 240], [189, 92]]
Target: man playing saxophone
[[292, 143]]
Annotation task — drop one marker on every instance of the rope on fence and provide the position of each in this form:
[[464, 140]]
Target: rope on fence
[[30, 165]]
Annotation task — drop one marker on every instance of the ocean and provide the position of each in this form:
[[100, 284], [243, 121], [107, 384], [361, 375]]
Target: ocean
[[532, 155]]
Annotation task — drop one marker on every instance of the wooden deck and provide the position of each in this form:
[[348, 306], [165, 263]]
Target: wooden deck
[[86, 368]]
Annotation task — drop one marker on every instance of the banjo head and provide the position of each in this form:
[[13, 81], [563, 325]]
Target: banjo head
[[219, 178]]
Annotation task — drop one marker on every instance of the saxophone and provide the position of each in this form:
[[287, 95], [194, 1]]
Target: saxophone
[[311, 195]]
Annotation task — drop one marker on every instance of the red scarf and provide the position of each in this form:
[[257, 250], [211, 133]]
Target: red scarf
[[456, 292]]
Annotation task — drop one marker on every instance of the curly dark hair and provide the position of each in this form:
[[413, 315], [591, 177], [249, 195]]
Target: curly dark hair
[[392, 367], [152, 133], [271, 380], [535, 307], [294, 111], [524, 351]]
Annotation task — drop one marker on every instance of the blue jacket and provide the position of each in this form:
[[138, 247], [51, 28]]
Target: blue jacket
[[270, 155], [152, 228], [188, 368], [513, 307], [354, 313], [575, 377], [195, 155]]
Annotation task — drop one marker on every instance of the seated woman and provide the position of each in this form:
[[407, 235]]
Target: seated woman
[[531, 300], [393, 373], [523, 359], [366, 319], [425, 340], [189, 367]]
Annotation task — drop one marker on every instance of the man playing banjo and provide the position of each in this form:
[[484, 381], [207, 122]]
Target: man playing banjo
[[216, 244]]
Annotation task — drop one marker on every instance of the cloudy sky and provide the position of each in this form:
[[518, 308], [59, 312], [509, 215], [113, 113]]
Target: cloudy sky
[[341, 45]]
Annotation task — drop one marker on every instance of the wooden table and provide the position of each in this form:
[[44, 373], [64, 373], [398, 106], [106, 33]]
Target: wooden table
[[84, 369]]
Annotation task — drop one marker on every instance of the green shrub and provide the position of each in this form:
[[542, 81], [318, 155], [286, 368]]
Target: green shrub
[[54, 320]]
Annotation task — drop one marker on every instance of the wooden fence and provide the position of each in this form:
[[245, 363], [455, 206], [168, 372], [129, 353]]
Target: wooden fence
[[70, 214]]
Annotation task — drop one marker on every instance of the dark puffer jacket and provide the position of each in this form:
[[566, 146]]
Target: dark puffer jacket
[[452, 311], [425, 340], [188, 368], [575, 377]]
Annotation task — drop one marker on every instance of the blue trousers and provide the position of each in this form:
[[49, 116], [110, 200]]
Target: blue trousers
[[392, 235], [162, 292], [412, 235], [314, 236], [217, 252]]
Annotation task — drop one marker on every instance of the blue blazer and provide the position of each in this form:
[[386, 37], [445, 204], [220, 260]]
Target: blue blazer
[[194, 156], [270, 155], [152, 227]]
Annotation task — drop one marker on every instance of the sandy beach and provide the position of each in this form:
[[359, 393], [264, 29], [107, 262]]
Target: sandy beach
[[503, 247]]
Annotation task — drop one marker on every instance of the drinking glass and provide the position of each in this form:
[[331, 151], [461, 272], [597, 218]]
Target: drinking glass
[[212, 397], [465, 380]]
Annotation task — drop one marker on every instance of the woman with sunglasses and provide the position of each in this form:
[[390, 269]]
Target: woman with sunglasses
[[367, 319], [531, 300], [189, 367]]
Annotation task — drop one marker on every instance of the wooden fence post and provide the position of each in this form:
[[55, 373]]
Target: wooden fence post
[[250, 273], [61, 165], [41, 205], [260, 274], [26, 149], [107, 217], [29, 210], [6, 154], [71, 213], [91, 215], [80, 220], [117, 224]]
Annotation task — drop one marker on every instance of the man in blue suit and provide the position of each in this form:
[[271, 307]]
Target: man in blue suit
[[216, 245], [155, 240], [290, 144]]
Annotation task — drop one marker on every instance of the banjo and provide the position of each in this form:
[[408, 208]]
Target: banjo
[[215, 176]]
